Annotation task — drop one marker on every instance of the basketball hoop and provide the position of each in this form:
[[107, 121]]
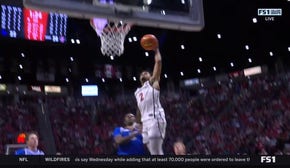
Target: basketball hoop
[[112, 35]]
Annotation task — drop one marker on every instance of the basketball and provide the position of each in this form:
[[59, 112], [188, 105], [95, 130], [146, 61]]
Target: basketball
[[149, 42]]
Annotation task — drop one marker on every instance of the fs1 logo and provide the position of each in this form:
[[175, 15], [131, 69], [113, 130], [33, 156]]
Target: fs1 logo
[[268, 159], [269, 12]]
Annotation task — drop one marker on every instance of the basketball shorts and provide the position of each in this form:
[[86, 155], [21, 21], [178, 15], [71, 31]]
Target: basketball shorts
[[153, 128]]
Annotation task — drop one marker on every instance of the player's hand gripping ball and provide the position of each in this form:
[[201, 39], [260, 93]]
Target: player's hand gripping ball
[[149, 42]]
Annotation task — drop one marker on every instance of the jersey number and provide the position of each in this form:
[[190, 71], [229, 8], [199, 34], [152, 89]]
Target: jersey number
[[141, 96]]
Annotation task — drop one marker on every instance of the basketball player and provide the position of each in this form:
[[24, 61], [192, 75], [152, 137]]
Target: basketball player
[[32, 144], [150, 112], [129, 138]]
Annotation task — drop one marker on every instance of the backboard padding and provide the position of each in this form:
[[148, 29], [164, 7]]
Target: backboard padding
[[193, 21]]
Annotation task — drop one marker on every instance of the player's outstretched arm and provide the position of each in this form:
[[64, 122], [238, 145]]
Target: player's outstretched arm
[[154, 80]]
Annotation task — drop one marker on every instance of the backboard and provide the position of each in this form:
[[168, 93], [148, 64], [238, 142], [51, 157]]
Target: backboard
[[185, 15]]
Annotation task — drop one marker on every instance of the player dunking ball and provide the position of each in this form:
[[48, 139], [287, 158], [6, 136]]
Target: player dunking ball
[[150, 112]]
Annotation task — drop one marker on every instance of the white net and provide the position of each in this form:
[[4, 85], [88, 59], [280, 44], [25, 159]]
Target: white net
[[112, 35]]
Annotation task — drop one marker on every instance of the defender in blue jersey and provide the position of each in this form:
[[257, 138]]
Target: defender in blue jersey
[[32, 144], [129, 137]]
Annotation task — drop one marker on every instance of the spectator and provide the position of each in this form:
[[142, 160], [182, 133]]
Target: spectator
[[32, 145], [179, 148]]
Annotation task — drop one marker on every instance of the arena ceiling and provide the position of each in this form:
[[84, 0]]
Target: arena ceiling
[[234, 38]]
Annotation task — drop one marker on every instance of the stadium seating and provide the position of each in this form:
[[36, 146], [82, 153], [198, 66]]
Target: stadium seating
[[15, 118], [249, 116]]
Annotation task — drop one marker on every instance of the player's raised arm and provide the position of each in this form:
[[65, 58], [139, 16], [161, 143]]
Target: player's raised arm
[[157, 68], [138, 116]]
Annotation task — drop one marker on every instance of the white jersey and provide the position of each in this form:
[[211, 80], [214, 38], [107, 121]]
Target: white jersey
[[146, 96]]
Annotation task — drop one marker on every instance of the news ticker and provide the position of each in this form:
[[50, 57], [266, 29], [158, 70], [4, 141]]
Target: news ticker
[[144, 160]]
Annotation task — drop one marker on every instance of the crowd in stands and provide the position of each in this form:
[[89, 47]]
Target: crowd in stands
[[15, 118], [249, 116], [246, 116], [255, 122]]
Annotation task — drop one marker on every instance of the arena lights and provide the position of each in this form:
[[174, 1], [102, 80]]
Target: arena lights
[[232, 64], [67, 80], [182, 47], [254, 20], [200, 59], [69, 69], [0, 76], [219, 36], [103, 80], [250, 60], [146, 54], [22, 55], [289, 49], [165, 75], [130, 39], [19, 78], [20, 66], [75, 41], [198, 71], [121, 80], [214, 68], [134, 78], [181, 74], [71, 59], [112, 57], [247, 47], [271, 53], [87, 80], [148, 2], [182, 2], [163, 12]]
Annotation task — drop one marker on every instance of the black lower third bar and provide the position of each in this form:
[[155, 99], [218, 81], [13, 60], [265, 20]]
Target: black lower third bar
[[147, 160], [19, 160]]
